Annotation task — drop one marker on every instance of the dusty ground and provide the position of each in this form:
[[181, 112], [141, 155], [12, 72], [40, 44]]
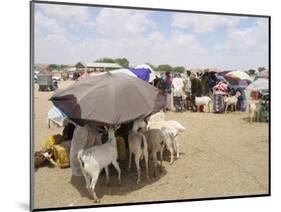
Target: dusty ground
[[221, 155]]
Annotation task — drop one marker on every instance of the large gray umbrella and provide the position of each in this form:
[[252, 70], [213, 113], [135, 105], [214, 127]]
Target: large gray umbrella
[[108, 99]]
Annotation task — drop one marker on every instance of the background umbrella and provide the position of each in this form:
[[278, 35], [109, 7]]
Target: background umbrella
[[237, 75], [258, 85], [108, 99]]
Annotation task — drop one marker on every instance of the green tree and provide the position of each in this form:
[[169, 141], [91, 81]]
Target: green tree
[[165, 68], [251, 71], [121, 61], [179, 69], [52, 67], [260, 69]]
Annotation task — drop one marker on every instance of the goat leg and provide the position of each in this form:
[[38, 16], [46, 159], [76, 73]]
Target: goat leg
[[107, 175], [116, 165]]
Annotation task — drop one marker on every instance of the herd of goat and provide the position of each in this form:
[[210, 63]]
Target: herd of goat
[[146, 139]]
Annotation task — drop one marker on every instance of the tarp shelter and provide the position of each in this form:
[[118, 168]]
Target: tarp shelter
[[123, 71], [57, 116], [152, 74], [141, 73]]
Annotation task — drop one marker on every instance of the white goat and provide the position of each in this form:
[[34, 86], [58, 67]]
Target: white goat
[[170, 123], [171, 141], [160, 116], [96, 158], [204, 100], [138, 124], [231, 100], [138, 147], [156, 142], [170, 130], [253, 111]]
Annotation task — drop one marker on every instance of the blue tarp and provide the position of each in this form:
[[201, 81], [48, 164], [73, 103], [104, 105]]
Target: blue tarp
[[141, 73]]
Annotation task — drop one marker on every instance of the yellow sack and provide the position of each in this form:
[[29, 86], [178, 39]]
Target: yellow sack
[[121, 147], [52, 140], [61, 154]]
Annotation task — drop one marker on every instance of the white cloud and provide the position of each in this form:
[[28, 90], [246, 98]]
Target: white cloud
[[43, 22], [118, 23], [77, 14], [203, 23], [253, 38]]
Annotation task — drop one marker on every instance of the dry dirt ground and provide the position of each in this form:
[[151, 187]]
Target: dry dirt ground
[[221, 155]]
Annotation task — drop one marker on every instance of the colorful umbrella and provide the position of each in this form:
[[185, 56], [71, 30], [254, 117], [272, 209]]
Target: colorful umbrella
[[238, 75]]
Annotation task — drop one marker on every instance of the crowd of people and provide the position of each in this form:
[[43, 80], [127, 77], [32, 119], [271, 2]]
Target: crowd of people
[[180, 89]]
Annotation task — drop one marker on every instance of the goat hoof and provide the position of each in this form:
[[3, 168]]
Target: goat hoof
[[97, 200], [119, 182], [138, 182]]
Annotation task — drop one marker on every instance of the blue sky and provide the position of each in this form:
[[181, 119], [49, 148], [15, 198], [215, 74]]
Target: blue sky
[[68, 34]]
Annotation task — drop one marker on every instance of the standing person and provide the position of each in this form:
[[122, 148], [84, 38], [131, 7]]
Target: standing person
[[242, 100], [196, 89], [167, 91], [177, 85], [205, 83], [187, 90]]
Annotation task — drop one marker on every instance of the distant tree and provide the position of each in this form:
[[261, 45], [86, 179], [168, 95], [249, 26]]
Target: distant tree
[[52, 67], [260, 69], [165, 68], [121, 61], [179, 69], [251, 71], [105, 60]]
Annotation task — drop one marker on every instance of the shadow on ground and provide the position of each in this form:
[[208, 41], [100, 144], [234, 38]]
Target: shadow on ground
[[128, 180]]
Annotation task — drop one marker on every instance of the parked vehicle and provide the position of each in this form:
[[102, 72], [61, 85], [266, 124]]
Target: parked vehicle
[[45, 82]]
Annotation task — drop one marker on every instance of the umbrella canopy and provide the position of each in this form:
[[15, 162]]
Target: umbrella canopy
[[108, 99], [258, 85], [123, 71], [152, 74], [238, 75]]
